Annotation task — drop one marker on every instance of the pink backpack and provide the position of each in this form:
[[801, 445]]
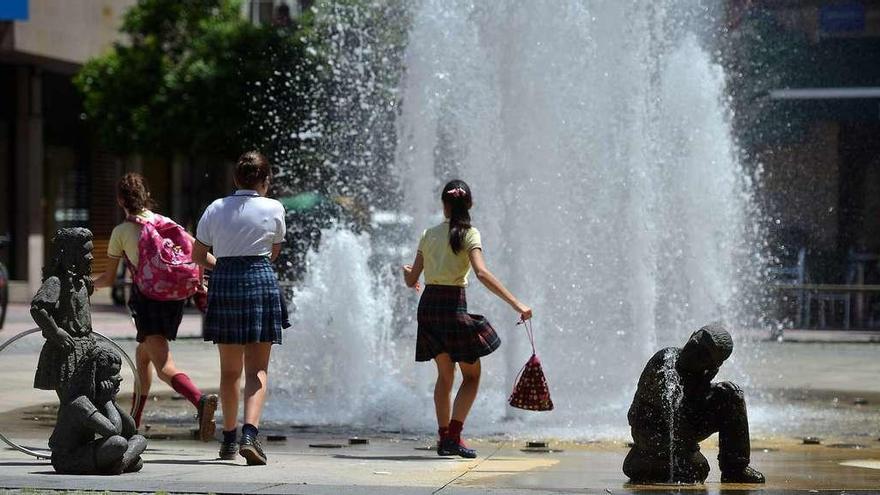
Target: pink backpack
[[166, 271]]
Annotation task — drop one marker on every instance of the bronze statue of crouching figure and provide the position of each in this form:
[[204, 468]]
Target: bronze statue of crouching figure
[[676, 406]]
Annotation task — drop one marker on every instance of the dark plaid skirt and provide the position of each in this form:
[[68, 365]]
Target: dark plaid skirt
[[446, 326], [245, 304], [152, 317]]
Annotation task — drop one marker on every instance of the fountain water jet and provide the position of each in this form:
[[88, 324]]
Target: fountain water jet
[[595, 138]]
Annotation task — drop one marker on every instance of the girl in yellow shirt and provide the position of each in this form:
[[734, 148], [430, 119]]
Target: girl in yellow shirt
[[447, 333]]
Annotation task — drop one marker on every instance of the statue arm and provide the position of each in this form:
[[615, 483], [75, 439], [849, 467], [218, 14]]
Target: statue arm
[[90, 417], [114, 416], [129, 429], [45, 299], [50, 329], [648, 411]]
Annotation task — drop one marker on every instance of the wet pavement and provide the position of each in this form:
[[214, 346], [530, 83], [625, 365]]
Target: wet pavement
[[397, 465], [826, 390]]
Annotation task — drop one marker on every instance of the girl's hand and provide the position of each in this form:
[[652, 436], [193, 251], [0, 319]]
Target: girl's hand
[[525, 312], [407, 270]]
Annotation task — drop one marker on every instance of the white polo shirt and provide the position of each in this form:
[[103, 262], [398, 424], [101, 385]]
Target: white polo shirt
[[244, 224]]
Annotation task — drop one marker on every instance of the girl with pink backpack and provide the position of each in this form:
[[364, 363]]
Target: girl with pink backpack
[[158, 252]]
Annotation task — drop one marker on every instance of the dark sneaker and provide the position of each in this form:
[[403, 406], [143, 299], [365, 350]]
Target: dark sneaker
[[450, 447], [744, 475], [205, 416], [252, 451], [228, 451]]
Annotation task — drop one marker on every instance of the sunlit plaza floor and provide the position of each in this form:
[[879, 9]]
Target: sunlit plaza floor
[[826, 390]]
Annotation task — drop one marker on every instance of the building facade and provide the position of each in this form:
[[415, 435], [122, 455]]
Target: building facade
[[52, 171]]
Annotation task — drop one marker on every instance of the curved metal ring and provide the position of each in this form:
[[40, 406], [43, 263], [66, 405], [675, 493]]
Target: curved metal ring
[[45, 454]]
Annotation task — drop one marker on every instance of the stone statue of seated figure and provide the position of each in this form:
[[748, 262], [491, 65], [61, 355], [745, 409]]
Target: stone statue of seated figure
[[676, 406], [93, 435]]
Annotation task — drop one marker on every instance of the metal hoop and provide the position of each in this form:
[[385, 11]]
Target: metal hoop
[[45, 454]]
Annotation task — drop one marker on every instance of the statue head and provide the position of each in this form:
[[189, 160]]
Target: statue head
[[107, 377], [72, 252], [706, 349], [95, 376]]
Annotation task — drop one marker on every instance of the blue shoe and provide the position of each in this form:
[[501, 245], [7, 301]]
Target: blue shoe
[[252, 451], [228, 451]]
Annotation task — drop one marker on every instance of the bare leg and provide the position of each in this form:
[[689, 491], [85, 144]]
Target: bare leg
[[443, 388], [145, 377], [256, 365], [156, 347], [231, 363], [467, 392], [144, 368]]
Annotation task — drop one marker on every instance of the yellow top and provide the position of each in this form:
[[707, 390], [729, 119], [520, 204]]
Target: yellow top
[[124, 239], [442, 266]]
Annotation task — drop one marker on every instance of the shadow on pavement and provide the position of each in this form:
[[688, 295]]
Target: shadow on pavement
[[192, 462], [391, 457]]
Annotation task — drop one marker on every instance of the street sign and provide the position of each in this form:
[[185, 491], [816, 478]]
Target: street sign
[[13, 10]]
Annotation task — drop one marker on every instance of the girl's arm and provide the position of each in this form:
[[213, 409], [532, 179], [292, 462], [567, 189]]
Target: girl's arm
[[411, 273], [276, 249], [211, 259], [495, 285], [107, 278], [202, 257]]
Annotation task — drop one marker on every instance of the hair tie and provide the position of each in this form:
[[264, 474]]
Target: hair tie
[[456, 192]]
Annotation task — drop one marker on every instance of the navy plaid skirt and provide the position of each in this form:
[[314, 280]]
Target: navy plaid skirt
[[245, 305], [446, 326]]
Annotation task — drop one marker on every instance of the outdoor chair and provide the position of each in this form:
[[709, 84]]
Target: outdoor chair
[[828, 300], [794, 275]]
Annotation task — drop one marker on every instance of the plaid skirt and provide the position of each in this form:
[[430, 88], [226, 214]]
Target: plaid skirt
[[245, 304], [446, 326]]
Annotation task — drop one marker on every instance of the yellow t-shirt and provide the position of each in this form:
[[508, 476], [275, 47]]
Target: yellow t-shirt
[[124, 239], [442, 266]]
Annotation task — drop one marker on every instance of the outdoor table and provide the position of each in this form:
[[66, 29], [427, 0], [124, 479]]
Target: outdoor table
[[860, 290]]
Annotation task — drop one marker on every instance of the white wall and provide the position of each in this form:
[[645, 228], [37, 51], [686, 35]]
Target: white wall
[[70, 30]]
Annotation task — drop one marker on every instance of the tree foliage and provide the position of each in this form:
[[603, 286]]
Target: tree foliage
[[180, 82]]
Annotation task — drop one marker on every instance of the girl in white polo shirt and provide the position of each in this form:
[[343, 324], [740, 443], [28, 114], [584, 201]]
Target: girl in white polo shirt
[[246, 312]]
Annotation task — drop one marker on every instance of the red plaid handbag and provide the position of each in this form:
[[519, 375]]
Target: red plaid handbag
[[531, 391]]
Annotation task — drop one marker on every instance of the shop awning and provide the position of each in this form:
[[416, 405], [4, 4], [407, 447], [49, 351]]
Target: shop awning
[[845, 104], [825, 93]]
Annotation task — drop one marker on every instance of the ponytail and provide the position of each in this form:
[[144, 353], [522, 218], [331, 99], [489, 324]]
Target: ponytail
[[457, 196]]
